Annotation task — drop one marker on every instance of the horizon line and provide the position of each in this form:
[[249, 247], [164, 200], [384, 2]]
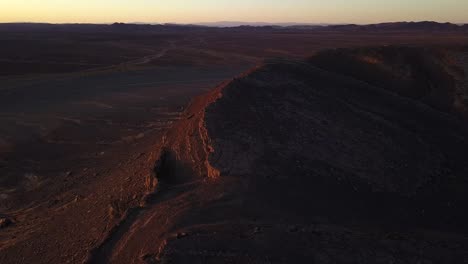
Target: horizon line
[[260, 23]]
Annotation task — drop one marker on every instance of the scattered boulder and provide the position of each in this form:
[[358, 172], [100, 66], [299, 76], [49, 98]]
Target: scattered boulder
[[5, 222]]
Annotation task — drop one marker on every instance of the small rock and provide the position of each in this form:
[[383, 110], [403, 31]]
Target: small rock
[[293, 229], [77, 198], [182, 235], [5, 222], [257, 230]]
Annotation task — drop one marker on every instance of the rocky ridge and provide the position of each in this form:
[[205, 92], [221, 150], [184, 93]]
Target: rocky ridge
[[292, 162]]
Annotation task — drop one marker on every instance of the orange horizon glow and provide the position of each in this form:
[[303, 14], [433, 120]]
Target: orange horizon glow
[[177, 11]]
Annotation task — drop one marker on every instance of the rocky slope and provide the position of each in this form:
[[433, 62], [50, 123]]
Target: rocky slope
[[429, 75], [293, 163]]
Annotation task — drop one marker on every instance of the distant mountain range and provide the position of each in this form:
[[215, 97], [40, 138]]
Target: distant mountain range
[[256, 24], [259, 26], [423, 25]]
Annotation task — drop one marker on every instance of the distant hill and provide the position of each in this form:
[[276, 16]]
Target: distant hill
[[423, 25]]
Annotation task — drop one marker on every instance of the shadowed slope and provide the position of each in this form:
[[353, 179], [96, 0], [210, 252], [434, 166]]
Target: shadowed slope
[[310, 166], [429, 75]]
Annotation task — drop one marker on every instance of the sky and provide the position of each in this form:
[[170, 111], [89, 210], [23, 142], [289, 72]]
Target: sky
[[195, 11]]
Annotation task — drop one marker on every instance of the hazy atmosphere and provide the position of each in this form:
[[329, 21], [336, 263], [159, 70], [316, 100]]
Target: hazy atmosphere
[[178, 11]]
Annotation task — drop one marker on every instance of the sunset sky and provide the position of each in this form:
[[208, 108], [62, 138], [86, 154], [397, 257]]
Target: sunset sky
[[193, 11]]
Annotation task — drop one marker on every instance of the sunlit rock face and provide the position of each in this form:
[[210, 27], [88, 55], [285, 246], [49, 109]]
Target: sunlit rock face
[[314, 164]]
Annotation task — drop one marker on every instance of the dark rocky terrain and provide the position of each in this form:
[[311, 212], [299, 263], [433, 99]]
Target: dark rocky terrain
[[344, 145], [292, 163], [436, 77], [30, 48]]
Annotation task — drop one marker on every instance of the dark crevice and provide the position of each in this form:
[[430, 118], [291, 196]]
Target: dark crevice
[[164, 171]]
